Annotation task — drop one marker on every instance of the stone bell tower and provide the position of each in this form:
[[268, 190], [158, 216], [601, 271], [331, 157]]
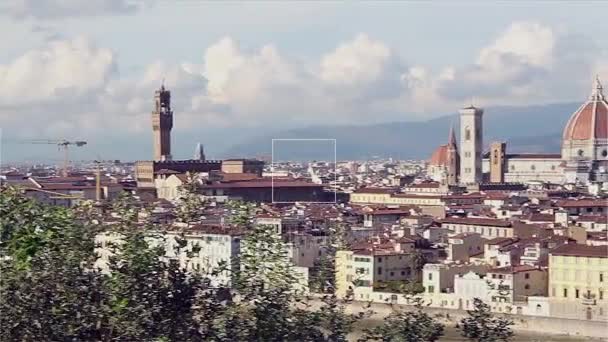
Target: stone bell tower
[[471, 144], [162, 123]]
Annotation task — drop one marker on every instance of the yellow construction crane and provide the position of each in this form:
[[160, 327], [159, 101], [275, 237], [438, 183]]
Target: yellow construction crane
[[62, 144]]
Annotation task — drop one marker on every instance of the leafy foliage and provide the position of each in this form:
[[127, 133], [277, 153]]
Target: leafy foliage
[[406, 326], [54, 287], [482, 326]]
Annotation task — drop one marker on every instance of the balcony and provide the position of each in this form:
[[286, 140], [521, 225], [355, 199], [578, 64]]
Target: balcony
[[588, 300]]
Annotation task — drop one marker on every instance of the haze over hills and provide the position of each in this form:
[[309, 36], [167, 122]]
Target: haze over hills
[[526, 129]]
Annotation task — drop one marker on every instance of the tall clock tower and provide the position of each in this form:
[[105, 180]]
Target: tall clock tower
[[162, 123]]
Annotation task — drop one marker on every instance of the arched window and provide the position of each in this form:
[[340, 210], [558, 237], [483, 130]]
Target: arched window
[[605, 153]]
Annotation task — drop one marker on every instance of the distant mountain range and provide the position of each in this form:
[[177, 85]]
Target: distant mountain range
[[525, 129]]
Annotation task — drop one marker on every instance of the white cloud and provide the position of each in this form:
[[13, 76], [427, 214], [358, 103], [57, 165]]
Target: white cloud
[[361, 60], [61, 70], [528, 63], [60, 9], [73, 86]]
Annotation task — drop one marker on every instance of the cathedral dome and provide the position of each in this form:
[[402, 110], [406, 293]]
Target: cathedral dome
[[590, 121], [440, 156]]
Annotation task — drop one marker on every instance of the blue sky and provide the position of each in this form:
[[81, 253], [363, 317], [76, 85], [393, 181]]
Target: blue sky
[[87, 69]]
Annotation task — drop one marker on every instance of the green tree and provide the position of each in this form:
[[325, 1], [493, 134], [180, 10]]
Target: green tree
[[52, 290], [482, 326], [322, 276], [49, 288], [406, 326], [150, 297], [190, 204]]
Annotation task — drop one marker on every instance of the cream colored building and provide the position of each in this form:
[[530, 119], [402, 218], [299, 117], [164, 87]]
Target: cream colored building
[[488, 228], [439, 278], [527, 167], [365, 268], [389, 196], [578, 281]]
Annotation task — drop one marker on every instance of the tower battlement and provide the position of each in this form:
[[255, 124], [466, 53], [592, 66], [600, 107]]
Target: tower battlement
[[162, 123]]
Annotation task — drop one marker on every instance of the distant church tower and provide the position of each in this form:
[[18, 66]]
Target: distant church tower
[[498, 161], [453, 159], [199, 152], [162, 123], [471, 145]]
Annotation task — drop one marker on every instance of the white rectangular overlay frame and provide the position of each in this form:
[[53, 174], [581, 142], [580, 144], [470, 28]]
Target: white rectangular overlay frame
[[335, 169]]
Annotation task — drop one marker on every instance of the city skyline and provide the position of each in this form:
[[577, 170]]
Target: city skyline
[[69, 73]]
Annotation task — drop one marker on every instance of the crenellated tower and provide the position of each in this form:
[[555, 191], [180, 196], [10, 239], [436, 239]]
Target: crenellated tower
[[162, 123]]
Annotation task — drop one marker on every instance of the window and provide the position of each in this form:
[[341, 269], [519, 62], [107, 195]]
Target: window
[[601, 277], [379, 259], [565, 293], [576, 293], [430, 276], [392, 274], [467, 134], [379, 270], [553, 291], [605, 153], [431, 289], [527, 276], [601, 295], [533, 167], [527, 287], [512, 167], [580, 153]]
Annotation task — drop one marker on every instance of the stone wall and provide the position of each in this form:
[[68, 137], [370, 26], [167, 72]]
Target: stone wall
[[540, 325]]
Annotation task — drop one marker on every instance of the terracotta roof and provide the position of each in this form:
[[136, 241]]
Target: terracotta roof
[[262, 184], [581, 250], [583, 203], [501, 241], [418, 196], [513, 269], [375, 191], [439, 156], [477, 221], [593, 218], [534, 156], [538, 217], [389, 212], [231, 177], [428, 185]]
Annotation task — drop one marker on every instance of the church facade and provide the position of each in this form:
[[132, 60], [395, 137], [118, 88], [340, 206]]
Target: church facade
[[583, 158]]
